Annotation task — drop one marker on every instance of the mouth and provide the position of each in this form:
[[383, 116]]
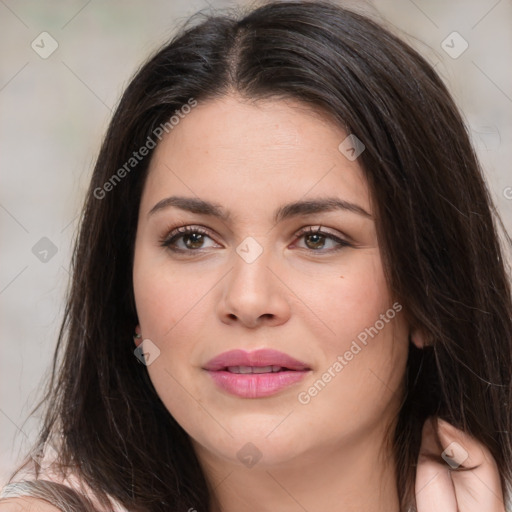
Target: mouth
[[255, 369], [255, 374]]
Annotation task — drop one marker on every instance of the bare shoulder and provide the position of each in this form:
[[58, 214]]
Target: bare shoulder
[[26, 504]]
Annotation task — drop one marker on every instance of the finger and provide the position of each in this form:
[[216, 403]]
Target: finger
[[434, 486], [477, 489]]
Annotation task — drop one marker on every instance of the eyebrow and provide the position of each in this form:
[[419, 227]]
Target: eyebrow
[[191, 204], [287, 211], [321, 205]]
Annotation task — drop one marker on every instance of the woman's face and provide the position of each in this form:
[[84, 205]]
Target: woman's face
[[280, 263]]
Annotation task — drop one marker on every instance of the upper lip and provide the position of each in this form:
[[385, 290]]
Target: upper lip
[[262, 357]]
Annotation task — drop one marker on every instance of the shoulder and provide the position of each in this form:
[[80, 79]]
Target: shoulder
[[53, 496], [26, 504], [43, 496]]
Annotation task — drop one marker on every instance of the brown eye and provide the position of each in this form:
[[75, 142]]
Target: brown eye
[[193, 240], [315, 241], [320, 241], [188, 238]]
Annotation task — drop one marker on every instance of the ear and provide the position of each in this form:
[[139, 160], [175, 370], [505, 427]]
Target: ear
[[137, 337], [418, 337]]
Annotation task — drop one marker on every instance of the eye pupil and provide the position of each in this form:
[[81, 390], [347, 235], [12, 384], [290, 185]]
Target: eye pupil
[[193, 240], [317, 241]]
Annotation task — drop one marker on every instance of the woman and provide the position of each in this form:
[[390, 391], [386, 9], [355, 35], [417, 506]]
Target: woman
[[288, 290]]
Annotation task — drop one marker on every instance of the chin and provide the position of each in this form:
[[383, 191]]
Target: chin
[[256, 440]]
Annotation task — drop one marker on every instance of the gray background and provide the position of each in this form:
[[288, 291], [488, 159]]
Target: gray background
[[54, 112]]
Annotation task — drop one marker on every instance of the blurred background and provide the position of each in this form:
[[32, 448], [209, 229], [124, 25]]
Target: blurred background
[[63, 66]]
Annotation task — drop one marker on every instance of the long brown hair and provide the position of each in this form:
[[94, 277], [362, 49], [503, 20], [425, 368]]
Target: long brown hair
[[435, 222]]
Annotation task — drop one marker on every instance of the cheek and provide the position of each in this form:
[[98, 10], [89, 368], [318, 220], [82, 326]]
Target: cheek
[[360, 387], [165, 296], [364, 343], [345, 301], [172, 307], [165, 308]]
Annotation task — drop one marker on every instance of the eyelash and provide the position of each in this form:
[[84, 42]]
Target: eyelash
[[177, 233], [311, 230]]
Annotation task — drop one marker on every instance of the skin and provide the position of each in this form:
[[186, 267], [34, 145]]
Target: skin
[[300, 296], [26, 505]]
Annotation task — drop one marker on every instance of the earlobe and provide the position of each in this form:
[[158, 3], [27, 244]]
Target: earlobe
[[418, 338], [137, 337]]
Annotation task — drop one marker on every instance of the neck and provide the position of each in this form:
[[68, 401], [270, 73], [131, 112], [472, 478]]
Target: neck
[[353, 477]]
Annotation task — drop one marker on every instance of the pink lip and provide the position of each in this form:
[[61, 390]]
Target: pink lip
[[255, 385]]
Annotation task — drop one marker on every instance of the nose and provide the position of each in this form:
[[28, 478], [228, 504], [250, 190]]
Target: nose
[[253, 295]]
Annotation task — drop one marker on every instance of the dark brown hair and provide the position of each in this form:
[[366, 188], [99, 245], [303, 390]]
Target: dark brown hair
[[435, 222]]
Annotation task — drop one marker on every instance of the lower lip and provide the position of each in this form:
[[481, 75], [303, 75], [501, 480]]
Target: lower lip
[[255, 385]]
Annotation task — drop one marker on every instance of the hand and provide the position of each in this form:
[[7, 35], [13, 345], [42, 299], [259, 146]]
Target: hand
[[439, 488]]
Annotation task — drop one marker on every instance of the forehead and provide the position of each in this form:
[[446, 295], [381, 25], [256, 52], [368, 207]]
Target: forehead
[[229, 149]]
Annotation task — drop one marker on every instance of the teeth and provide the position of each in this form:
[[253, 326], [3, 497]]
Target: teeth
[[254, 369], [262, 369]]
